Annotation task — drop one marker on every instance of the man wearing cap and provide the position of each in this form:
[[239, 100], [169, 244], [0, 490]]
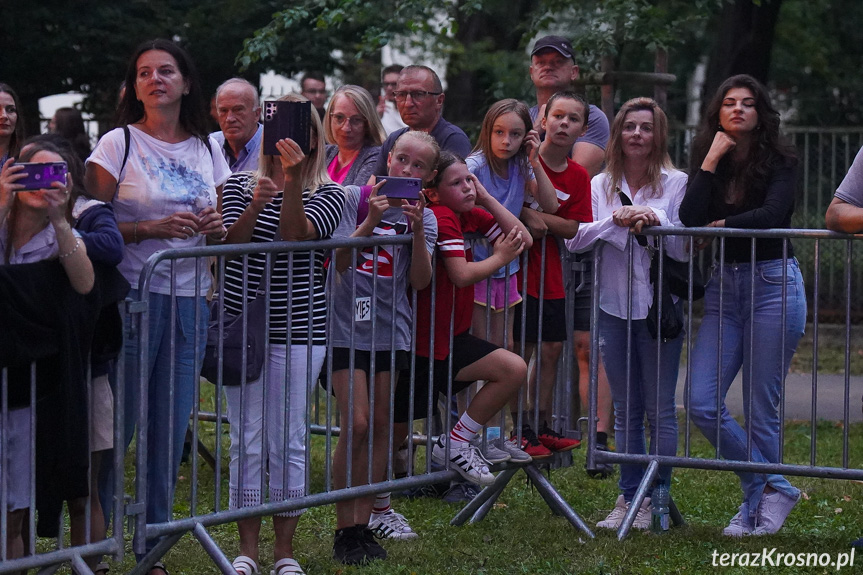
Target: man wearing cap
[[552, 69]]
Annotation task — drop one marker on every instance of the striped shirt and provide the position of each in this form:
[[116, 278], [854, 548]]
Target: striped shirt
[[295, 275]]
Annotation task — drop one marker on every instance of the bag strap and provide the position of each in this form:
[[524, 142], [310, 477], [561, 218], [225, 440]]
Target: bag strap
[[624, 199]]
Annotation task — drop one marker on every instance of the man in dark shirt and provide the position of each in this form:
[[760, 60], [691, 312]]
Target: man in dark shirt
[[419, 99]]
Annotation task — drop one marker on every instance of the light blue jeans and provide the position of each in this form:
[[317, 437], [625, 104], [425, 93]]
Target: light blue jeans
[[748, 334], [642, 386], [166, 423]]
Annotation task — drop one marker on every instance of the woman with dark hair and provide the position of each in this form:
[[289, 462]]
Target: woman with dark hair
[[11, 124], [68, 123], [164, 181], [355, 135], [639, 187], [744, 177]]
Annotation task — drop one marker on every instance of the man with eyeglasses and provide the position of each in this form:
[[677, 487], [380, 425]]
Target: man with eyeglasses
[[387, 110], [313, 87], [419, 98], [239, 113]]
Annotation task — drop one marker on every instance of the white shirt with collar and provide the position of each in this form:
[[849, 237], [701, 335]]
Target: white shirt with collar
[[614, 257]]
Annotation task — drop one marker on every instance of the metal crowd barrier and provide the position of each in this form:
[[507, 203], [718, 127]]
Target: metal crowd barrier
[[693, 311], [50, 553], [322, 424]]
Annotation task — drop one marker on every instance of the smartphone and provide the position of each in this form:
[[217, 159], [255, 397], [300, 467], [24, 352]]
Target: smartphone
[[287, 120], [404, 188], [42, 175]]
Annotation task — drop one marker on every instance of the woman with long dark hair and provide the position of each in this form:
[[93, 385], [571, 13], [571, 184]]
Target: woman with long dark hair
[[639, 187], [11, 124], [744, 177], [161, 174]]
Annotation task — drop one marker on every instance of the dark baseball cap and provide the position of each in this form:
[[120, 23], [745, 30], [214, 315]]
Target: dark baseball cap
[[558, 43]]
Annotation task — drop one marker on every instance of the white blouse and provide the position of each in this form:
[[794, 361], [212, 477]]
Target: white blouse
[[613, 258]]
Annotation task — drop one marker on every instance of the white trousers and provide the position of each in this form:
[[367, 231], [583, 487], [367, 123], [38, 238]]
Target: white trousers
[[273, 439]]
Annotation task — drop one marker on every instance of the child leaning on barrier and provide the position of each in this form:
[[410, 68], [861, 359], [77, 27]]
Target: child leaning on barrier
[[564, 122], [456, 199], [386, 273]]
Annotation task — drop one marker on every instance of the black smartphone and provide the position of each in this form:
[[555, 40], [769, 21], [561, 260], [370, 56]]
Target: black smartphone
[[42, 175], [287, 120], [404, 188]]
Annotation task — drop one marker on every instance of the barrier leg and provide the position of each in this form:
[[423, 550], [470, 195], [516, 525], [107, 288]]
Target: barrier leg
[[148, 560], [635, 505], [555, 501], [675, 515], [494, 489], [80, 566], [213, 550]]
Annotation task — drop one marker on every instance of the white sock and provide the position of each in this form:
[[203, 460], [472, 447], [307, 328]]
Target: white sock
[[465, 429]]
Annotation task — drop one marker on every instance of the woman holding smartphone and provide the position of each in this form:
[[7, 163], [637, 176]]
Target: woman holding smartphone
[[289, 198], [165, 183], [33, 227]]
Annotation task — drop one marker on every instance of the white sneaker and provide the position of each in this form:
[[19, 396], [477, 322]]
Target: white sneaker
[[516, 454], [466, 459], [642, 518], [615, 518], [492, 453], [391, 525], [772, 512], [739, 524]]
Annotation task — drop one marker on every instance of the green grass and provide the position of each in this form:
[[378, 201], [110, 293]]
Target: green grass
[[522, 536]]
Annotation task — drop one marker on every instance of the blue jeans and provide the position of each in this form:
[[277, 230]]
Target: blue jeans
[[754, 334], [642, 387], [166, 423]]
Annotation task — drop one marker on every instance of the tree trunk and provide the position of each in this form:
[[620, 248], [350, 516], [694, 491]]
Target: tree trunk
[[744, 42]]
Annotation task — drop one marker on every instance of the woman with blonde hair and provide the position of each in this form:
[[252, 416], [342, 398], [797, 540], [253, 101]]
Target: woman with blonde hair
[[355, 134], [639, 187], [289, 198]]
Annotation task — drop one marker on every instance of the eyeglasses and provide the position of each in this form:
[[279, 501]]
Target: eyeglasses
[[355, 121], [416, 95]]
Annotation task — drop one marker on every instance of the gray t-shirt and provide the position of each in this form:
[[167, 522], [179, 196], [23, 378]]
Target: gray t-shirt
[[393, 282], [851, 188]]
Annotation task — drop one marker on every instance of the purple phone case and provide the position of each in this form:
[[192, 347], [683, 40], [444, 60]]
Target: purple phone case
[[42, 175], [404, 188]]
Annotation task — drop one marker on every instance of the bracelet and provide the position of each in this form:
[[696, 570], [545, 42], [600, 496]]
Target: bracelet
[[69, 253], [135, 233]]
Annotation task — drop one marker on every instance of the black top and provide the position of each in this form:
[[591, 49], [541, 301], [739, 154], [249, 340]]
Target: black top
[[704, 202]]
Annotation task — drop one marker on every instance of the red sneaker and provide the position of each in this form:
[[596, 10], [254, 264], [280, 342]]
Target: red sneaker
[[531, 445], [555, 441]]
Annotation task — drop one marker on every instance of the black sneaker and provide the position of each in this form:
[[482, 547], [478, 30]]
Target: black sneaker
[[602, 470], [461, 492], [348, 547], [369, 543]]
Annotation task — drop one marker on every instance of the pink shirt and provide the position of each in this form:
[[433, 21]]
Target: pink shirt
[[337, 175]]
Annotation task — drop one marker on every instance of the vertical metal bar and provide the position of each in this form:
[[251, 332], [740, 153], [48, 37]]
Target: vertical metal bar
[[721, 326], [750, 360], [846, 414], [196, 403], [217, 403], [815, 297], [4, 439]]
